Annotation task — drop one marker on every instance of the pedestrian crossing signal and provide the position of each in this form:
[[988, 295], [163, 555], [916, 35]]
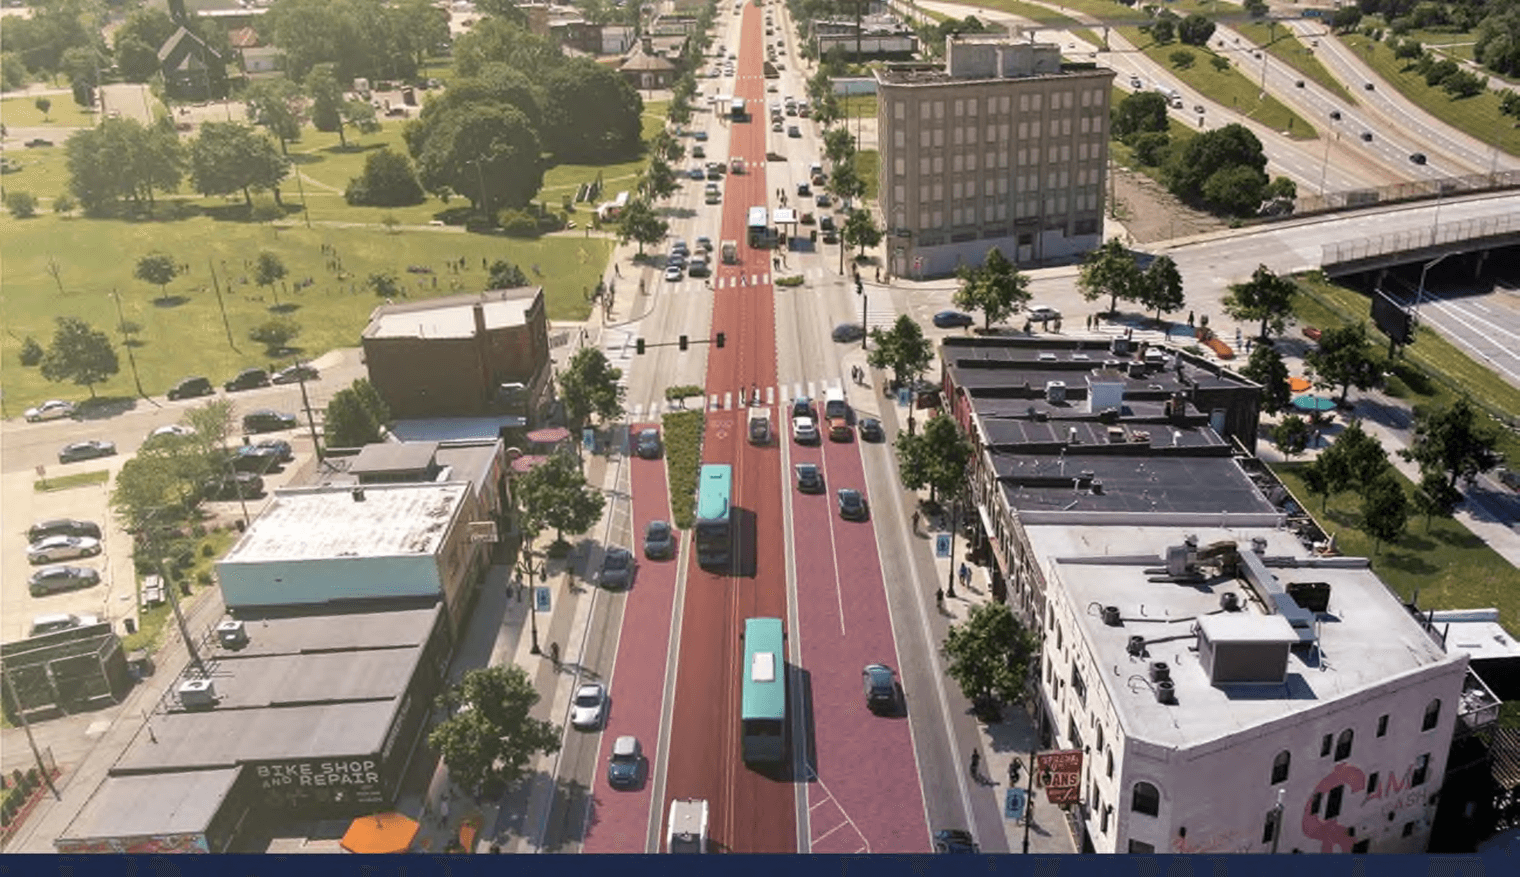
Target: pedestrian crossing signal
[[684, 342], [639, 346], [720, 340]]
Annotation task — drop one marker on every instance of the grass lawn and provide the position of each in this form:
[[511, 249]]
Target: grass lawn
[[1038, 14], [43, 172], [1229, 88], [1432, 373], [683, 458], [66, 482], [1448, 565], [858, 105], [1478, 115], [22, 112], [1283, 45], [152, 622], [868, 165]]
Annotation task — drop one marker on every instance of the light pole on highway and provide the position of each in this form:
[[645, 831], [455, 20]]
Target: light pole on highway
[[1325, 165], [1419, 295]]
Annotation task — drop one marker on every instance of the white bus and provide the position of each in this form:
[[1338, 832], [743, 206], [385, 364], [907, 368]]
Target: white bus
[[758, 228], [736, 109]]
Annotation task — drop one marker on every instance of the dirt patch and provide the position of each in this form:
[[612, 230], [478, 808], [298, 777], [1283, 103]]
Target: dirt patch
[[1150, 213]]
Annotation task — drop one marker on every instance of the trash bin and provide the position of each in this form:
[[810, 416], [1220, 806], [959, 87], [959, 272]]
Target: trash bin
[[129, 625]]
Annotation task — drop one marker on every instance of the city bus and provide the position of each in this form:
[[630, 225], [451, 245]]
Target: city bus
[[758, 228], [763, 716], [736, 109], [714, 526]]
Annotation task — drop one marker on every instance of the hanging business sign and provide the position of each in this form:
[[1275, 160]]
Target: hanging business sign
[[1061, 775]]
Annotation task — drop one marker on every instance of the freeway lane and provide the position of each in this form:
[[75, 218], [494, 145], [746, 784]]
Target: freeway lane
[[619, 820]]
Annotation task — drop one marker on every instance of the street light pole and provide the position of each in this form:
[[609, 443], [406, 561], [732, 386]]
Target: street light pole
[[955, 513]]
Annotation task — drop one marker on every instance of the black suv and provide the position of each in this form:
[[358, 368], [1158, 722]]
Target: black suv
[[62, 527], [247, 379], [245, 485], [266, 420], [189, 388]]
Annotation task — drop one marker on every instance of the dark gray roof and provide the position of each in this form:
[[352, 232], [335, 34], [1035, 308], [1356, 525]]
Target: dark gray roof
[[286, 635], [327, 677], [393, 457], [158, 804], [225, 738], [1153, 483]]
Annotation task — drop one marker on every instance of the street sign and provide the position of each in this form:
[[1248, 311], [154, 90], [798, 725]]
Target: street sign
[[541, 598], [588, 438], [1061, 774], [902, 396], [1014, 802], [942, 545]]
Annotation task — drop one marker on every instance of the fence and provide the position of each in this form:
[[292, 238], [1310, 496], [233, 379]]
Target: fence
[[1418, 239], [1408, 191]]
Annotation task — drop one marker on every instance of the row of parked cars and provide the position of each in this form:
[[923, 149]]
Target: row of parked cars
[[62, 539]]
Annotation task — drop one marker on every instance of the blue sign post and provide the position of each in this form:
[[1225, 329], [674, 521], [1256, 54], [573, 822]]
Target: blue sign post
[[1014, 802], [942, 545], [541, 598], [588, 438]]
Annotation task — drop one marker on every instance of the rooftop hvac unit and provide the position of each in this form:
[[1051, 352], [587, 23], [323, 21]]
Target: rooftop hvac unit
[[1245, 649], [1120, 345], [1166, 692], [197, 694], [1137, 369], [1055, 391], [232, 634], [1111, 616]]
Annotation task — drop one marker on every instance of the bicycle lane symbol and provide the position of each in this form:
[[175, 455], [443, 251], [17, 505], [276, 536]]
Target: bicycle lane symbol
[[721, 427]]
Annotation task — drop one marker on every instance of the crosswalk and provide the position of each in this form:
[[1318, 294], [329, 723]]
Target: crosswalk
[[740, 397], [811, 277]]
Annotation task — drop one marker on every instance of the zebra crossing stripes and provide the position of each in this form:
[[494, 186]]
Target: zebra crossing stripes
[[730, 399]]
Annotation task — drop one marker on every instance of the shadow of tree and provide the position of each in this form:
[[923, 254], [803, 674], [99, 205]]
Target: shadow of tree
[[285, 307], [170, 301], [102, 407]]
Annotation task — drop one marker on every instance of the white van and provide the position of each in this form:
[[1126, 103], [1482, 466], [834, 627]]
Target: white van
[[836, 414], [60, 621]]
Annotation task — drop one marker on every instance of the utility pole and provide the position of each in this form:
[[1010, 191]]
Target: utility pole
[[216, 284], [127, 342], [1029, 803], [311, 422], [26, 726]]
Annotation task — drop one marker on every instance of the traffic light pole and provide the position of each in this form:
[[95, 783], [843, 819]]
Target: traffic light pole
[[683, 342]]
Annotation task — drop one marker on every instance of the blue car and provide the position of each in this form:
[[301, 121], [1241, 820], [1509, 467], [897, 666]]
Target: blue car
[[953, 320]]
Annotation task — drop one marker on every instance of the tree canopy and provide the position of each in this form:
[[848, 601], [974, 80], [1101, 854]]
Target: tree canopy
[[554, 495], [1110, 270], [1265, 298], [368, 38], [1160, 289], [989, 655], [122, 158], [1456, 441], [589, 385], [389, 180], [275, 104], [79, 353], [638, 222], [355, 416], [1139, 113], [996, 288], [1266, 367], [1344, 359], [1385, 509], [229, 157], [158, 268], [936, 457], [491, 734], [1223, 168], [591, 113], [903, 349], [488, 153]]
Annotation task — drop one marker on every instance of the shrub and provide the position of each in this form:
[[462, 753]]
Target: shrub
[[204, 576], [275, 333], [207, 550], [518, 223], [790, 280], [64, 203], [682, 391], [22, 204], [31, 352]]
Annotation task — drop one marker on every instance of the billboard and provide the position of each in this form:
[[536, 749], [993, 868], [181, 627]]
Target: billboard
[[1061, 775], [1392, 318]]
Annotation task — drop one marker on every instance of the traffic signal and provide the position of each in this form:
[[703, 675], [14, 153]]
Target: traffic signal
[[684, 342], [719, 340], [639, 346], [860, 287]]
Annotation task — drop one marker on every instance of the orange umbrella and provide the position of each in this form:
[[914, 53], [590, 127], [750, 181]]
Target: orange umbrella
[[1299, 385], [380, 833]]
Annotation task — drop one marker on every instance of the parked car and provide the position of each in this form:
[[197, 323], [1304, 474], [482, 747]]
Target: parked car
[[45, 624], [268, 420], [698, 152], [954, 840], [1418, 158], [704, 243], [54, 548], [281, 449], [804, 430], [247, 379], [38, 141], [852, 506], [52, 409], [190, 388], [251, 458], [825, 222], [696, 172], [846, 332], [1043, 313], [617, 568], [870, 429], [880, 688], [168, 433], [589, 706], [804, 190], [699, 267], [87, 450], [52, 579], [62, 527], [659, 540], [245, 485], [809, 478], [953, 320], [793, 131], [1366, 136], [625, 768], [776, 127], [822, 199], [292, 374]]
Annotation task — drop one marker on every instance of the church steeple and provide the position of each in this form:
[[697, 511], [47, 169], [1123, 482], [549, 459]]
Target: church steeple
[[177, 12]]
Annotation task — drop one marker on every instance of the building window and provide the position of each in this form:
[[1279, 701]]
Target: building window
[[1382, 725], [1362, 846], [900, 139], [1269, 828], [1324, 744], [1372, 779], [1110, 770], [1099, 742], [899, 166], [1421, 769], [1103, 820], [1408, 829], [1280, 767], [1333, 802], [899, 109], [1140, 846], [1343, 745], [1071, 731], [1079, 686], [1146, 799], [1432, 715]]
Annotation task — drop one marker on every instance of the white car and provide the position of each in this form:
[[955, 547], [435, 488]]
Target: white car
[[62, 548], [588, 707], [1043, 313], [804, 430], [52, 409]]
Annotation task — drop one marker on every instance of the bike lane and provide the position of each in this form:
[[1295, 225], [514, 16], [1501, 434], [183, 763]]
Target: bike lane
[[619, 820]]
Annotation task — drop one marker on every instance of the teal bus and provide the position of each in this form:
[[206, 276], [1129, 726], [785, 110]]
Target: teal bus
[[763, 716], [714, 527]]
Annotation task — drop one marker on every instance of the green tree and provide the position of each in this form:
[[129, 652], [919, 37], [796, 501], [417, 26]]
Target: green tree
[[588, 385], [1265, 298], [936, 457], [592, 114], [1152, 148], [1291, 435], [79, 353], [1266, 367], [1139, 113], [275, 105], [1454, 441], [491, 734], [1223, 153], [903, 349], [1110, 270], [1354, 460], [358, 115], [659, 179], [1195, 30], [160, 484], [384, 284], [1182, 59], [354, 417], [996, 288], [1435, 497], [212, 424], [1385, 509], [1346, 18], [554, 495], [1161, 287], [12, 71], [1219, 63], [389, 180], [838, 146], [495, 41], [846, 182], [231, 157], [158, 268], [1163, 31], [487, 152], [638, 222], [861, 230], [269, 269], [326, 95], [122, 158], [43, 105], [989, 656], [136, 43], [1257, 8], [21, 203], [1344, 359], [506, 275], [275, 333], [31, 352]]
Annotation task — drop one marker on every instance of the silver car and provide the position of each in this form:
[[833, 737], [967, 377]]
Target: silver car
[[62, 548], [52, 409], [589, 706]]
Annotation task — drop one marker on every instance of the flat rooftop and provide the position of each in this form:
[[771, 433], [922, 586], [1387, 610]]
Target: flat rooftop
[[452, 316], [157, 804], [310, 523], [270, 634], [1366, 638], [393, 456], [1152, 484], [226, 738]]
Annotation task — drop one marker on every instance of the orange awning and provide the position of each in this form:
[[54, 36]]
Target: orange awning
[[1299, 385], [380, 833]]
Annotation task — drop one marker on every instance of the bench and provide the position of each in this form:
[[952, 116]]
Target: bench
[[152, 592]]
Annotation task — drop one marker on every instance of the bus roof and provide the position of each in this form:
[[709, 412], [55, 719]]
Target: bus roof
[[714, 491], [757, 217], [764, 694]]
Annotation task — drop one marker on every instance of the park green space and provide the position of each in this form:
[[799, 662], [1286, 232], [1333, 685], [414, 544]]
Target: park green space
[[1478, 116], [22, 112], [68, 482], [1042, 15], [1123, 156], [1228, 87], [858, 106], [868, 167], [1286, 47]]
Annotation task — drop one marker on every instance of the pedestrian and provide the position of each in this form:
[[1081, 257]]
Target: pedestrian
[[916, 519], [976, 764], [1013, 771], [1190, 318], [616, 269], [554, 653], [939, 598], [878, 273], [965, 574]]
